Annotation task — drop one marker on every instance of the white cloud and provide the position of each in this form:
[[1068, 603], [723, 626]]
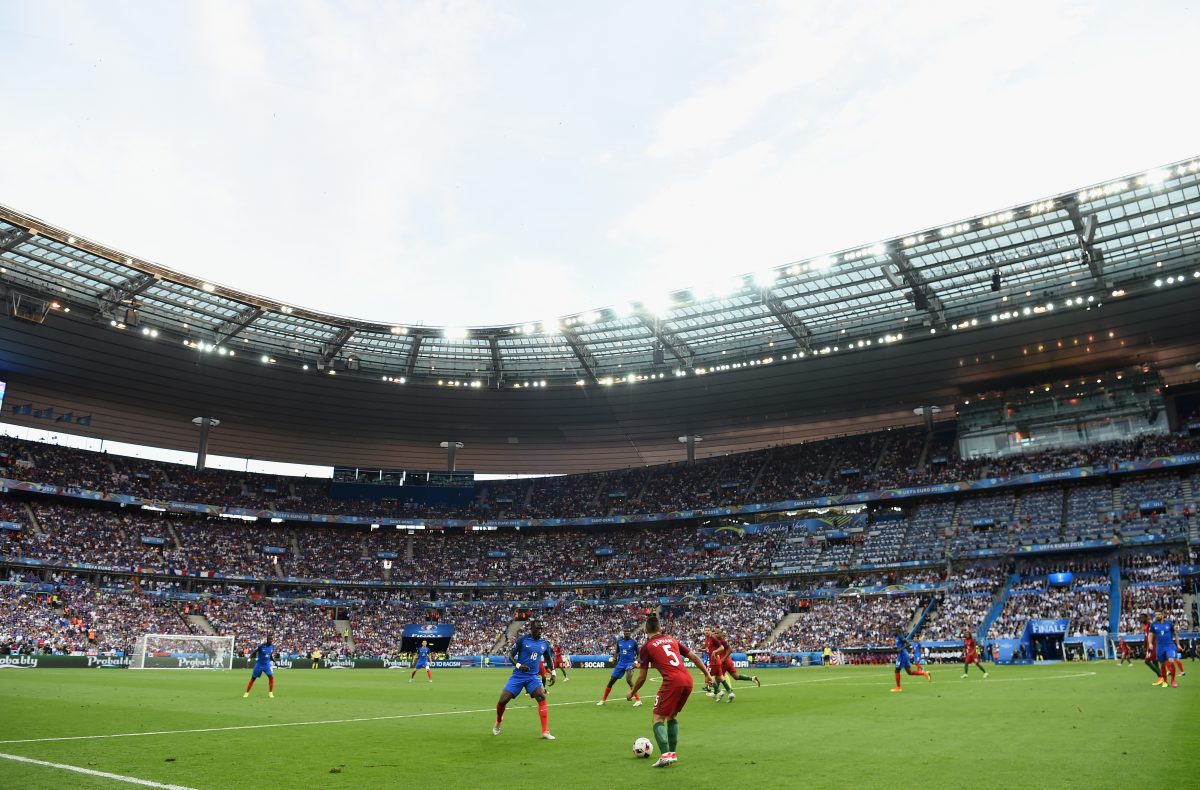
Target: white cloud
[[459, 162]]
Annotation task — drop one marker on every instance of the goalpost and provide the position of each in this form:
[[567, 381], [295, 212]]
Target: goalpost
[[182, 651]]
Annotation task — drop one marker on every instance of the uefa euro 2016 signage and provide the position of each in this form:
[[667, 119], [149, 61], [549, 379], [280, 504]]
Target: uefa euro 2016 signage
[[1048, 626]]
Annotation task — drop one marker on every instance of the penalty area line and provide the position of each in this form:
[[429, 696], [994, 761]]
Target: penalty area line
[[275, 725], [133, 780]]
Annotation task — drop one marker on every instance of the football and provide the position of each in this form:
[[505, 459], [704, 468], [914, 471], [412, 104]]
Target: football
[[642, 747]]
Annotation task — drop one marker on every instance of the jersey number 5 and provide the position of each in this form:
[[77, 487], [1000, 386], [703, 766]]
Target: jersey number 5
[[672, 659]]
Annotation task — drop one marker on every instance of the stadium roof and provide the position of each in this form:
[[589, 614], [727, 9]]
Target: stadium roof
[[933, 278], [1051, 260]]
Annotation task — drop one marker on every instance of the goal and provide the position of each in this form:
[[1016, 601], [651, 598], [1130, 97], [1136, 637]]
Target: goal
[[182, 651]]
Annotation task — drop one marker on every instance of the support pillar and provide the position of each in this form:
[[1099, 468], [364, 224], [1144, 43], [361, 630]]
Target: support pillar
[[690, 440], [451, 449], [206, 425], [928, 413]]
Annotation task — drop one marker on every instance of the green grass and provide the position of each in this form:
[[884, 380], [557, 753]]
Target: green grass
[[1058, 726]]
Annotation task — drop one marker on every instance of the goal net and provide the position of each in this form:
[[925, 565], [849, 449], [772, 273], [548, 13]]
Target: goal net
[[182, 651]]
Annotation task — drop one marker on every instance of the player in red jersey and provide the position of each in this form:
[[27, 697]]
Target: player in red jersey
[[1149, 651], [561, 662], [728, 669], [1123, 651], [666, 655], [971, 656], [716, 665]]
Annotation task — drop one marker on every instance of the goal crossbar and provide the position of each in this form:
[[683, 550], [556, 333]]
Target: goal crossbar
[[182, 651]]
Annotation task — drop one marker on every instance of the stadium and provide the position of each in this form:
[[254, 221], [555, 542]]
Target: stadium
[[961, 463]]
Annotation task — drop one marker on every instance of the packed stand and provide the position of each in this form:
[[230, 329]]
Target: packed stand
[[850, 622], [970, 593], [297, 629], [1086, 608]]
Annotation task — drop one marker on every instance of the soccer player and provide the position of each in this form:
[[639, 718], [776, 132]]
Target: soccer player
[[918, 657], [716, 666], [626, 657], [727, 666], [903, 662], [1148, 649], [561, 662], [262, 655], [666, 655], [1123, 651], [970, 656], [527, 654], [422, 663], [1166, 646]]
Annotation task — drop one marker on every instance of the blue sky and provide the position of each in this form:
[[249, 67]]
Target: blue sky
[[467, 163]]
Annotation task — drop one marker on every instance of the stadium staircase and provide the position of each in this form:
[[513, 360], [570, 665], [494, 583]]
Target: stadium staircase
[[1116, 499], [528, 496], [1114, 595], [174, 535], [780, 627], [925, 451], [33, 522], [342, 626], [202, 624], [758, 476], [507, 638], [997, 606], [1189, 495], [595, 503], [637, 500], [920, 616]]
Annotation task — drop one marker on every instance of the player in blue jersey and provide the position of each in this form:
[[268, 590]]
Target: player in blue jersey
[[262, 655], [1166, 645], [903, 662], [918, 655], [529, 652], [626, 657], [422, 663]]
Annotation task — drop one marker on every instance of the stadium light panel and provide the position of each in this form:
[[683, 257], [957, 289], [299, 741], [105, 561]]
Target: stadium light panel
[[766, 278]]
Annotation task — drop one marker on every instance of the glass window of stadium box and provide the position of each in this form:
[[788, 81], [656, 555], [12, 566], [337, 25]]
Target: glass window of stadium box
[[1111, 407]]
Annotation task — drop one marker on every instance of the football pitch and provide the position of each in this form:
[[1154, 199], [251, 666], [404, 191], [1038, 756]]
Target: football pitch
[[1066, 725]]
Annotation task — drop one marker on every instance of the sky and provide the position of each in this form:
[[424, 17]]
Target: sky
[[476, 163]]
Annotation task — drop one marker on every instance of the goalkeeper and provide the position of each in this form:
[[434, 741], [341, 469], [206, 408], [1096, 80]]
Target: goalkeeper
[[262, 656]]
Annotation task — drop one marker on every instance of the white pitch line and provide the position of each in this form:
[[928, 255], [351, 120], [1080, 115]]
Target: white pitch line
[[133, 780], [275, 725], [397, 716]]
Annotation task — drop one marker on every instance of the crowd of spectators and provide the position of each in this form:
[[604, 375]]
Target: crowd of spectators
[[296, 629], [970, 593], [850, 621], [1159, 566], [855, 462], [746, 620], [1141, 601], [1087, 608]]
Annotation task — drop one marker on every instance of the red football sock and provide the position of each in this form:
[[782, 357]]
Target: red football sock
[[544, 714], [607, 689], [429, 674], [897, 678], [270, 684], [249, 686], [1172, 666], [636, 696], [499, 713], [1179, 664]]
